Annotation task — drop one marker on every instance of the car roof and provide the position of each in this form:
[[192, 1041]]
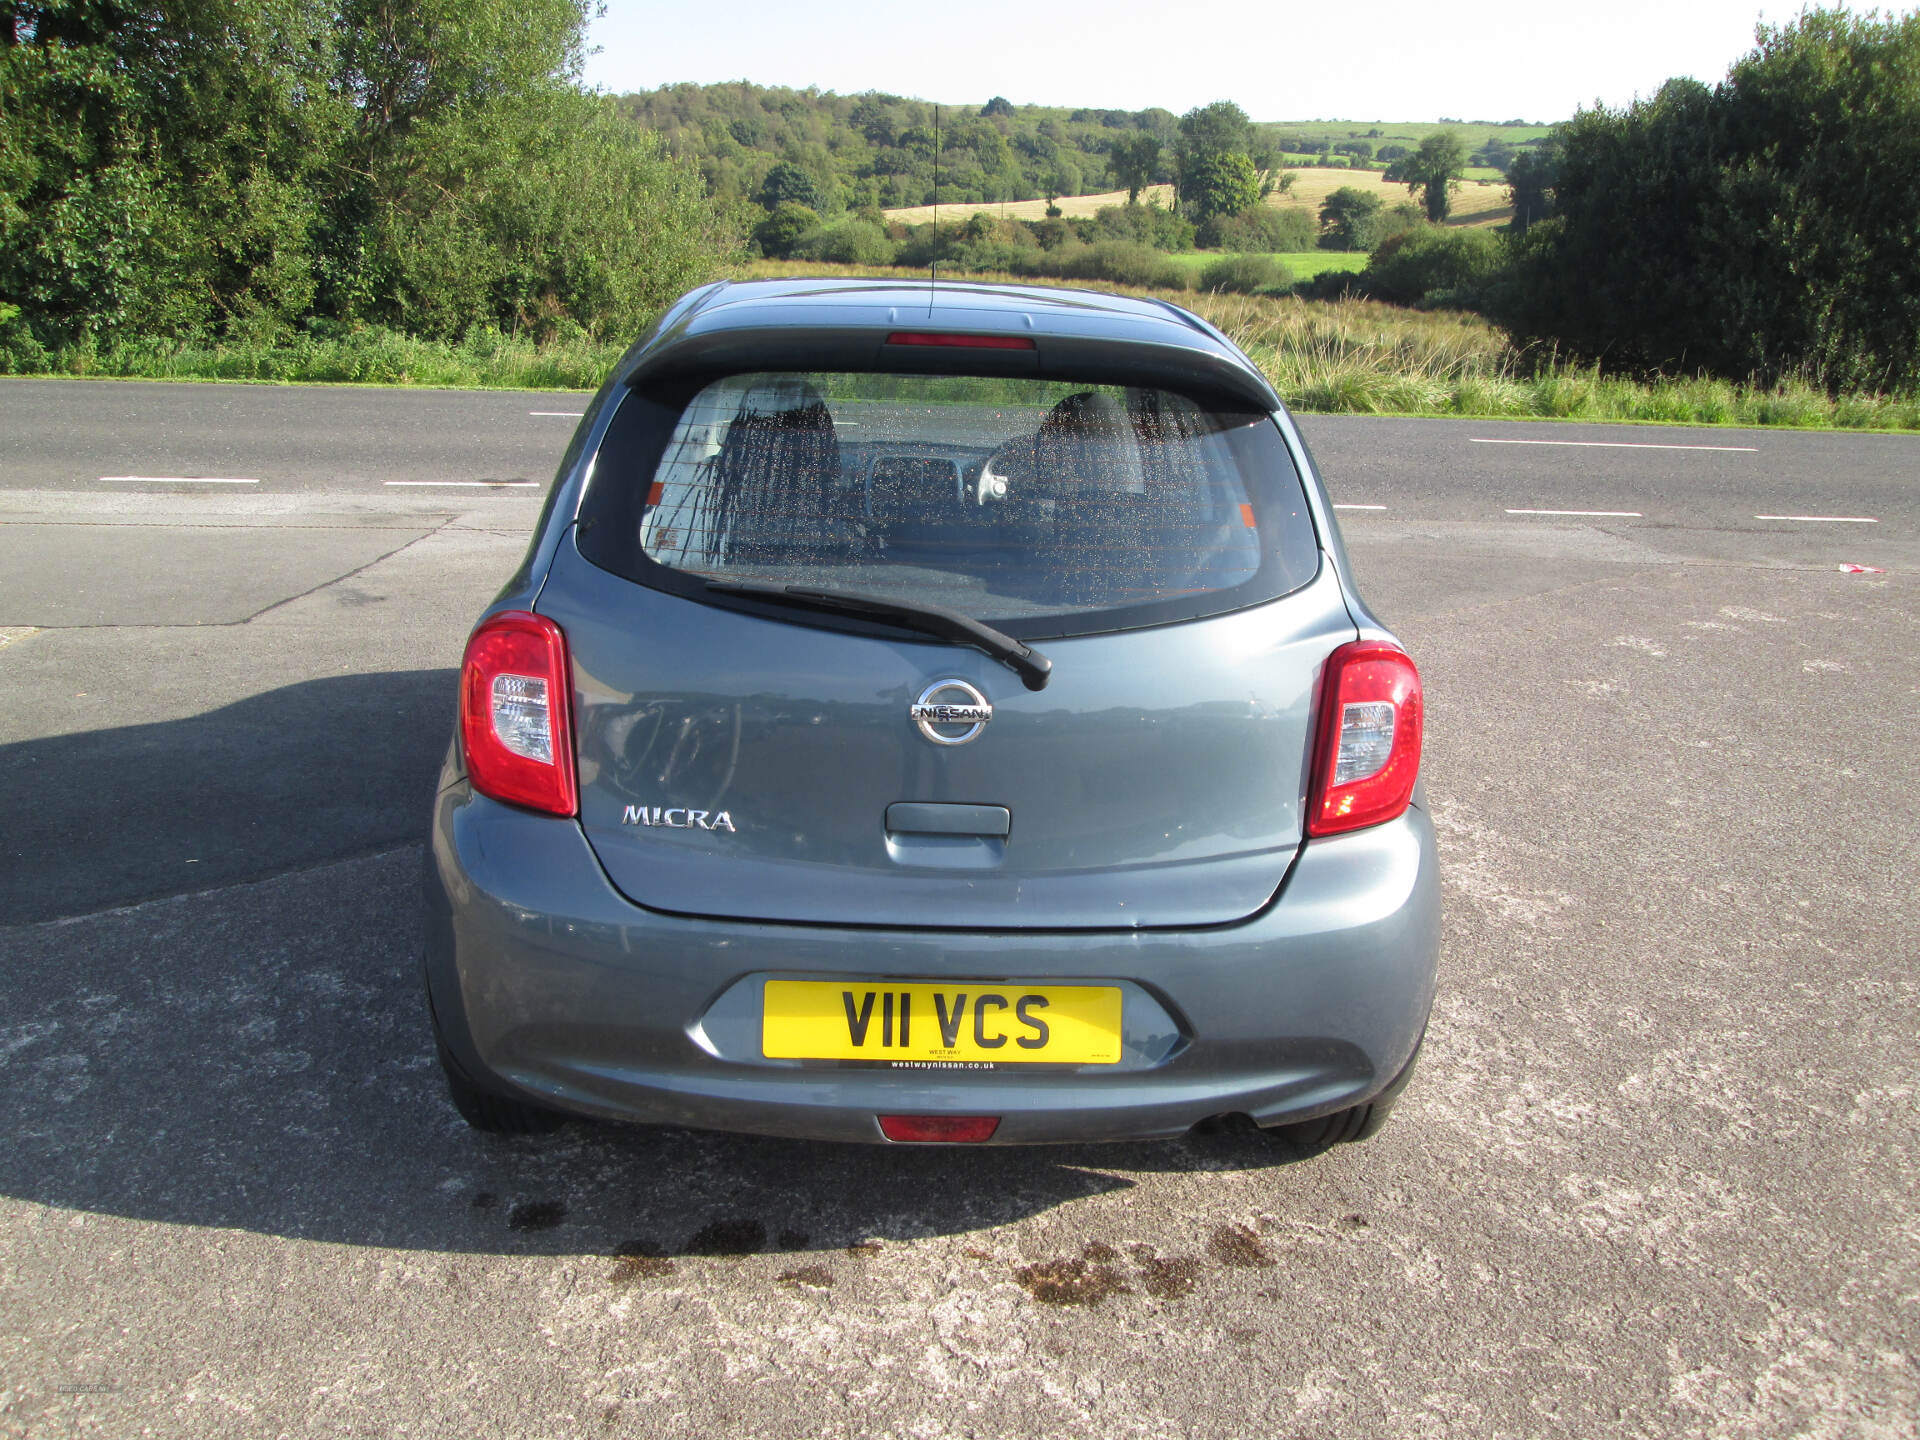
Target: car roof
[[830, 323]]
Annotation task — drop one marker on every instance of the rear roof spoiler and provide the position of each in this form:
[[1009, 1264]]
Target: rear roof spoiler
[[1077, 336]]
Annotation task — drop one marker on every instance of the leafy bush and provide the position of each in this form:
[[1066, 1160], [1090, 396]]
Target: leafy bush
[[1353, 219], [788, 182], [780, 232], [1246, 275], [992, 244], [1221, 184], [1264, 228], [1118, 262], [1332, 285], [189, 171], [1432, 265], [1052, 232], [1150, 224], [20, 353], [849, 242]]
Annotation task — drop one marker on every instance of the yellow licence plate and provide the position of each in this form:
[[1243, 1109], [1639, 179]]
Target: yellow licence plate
[[1005, 1024]]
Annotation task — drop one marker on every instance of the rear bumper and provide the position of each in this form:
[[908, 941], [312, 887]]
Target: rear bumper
[[547, 984]]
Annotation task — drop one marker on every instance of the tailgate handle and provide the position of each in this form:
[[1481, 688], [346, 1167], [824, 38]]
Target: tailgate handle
[[915, 819]]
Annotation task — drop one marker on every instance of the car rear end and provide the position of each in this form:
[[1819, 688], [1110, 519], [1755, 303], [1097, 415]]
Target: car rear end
[[735, 834]]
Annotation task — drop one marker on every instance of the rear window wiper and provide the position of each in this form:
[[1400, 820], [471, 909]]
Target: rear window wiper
[[1029, 664]]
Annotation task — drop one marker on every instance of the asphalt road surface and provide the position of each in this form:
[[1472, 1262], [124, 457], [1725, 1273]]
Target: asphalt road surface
[[1657, 1174]]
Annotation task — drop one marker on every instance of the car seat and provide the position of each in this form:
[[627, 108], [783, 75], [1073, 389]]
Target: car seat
[[773, 487]]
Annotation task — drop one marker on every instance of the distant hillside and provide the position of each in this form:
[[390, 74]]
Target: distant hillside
[[1477, 202], [878, 150]]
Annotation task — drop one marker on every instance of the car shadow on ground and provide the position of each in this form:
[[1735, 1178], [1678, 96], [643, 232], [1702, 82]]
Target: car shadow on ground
[[309, 772], [255, 1054]]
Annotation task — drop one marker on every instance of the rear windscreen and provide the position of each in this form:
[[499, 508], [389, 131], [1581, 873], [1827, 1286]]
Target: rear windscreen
[[1041, 507]]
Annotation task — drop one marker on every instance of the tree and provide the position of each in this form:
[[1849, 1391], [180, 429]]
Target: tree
[[1209, 181], [550, 216], [1434, 170], [158, 166], [1530, 182], [1135, 163], [235, 167], [1217, 129], [998, 105], [1349, 219], [1224, 184], [1064, 179], [1748, 229], [1496, 154], [784, 228], [788, 182]]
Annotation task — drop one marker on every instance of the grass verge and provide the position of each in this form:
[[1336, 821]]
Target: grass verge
[[1352, 357], [364, 357]]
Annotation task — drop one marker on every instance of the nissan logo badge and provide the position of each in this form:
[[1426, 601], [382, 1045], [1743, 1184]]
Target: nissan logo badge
[[951, 712]]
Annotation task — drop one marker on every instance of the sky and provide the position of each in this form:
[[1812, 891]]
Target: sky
[[1279, 60]]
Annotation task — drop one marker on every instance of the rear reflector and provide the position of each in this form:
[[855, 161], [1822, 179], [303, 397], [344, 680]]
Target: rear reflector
[[1368, 745], [940, 1129], [515, 719], [963, 342]]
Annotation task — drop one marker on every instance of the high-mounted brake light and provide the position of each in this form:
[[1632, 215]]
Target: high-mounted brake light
[[1368, 746], [515, 717], [963, 342]]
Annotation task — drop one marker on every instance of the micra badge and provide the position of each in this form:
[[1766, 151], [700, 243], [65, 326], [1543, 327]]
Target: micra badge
[[678, 819]]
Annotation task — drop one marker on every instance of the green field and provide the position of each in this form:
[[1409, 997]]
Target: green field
[[1473, 134], [1305, 264]]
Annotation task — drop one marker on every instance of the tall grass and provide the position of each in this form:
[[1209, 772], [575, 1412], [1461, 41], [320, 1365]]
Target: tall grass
[[485, 359], [1354, 357], [1359, 357]]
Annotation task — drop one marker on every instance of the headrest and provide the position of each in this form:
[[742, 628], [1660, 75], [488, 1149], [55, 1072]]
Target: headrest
[[791, 402], [1089, 441]]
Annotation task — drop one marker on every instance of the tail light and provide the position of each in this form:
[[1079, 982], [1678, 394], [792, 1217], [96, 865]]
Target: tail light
[[515, 720], [1368, 752], [939, 1129]]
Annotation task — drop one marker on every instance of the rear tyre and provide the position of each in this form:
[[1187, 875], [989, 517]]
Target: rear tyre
[[1310, 1137], [1362, 1122], [491, 1113]]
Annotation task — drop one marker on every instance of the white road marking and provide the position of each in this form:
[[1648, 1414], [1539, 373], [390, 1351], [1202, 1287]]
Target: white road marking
[[1623, 445], [1359, 507], [470, 484], [174, 480], [566, 414], [1613, 514], [1825, 519]]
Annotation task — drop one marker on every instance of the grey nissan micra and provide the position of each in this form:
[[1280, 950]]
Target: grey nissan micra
[[933, 714]]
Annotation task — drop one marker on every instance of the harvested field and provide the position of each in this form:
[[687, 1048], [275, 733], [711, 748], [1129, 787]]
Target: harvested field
[[1476, 202], [1073, 206]]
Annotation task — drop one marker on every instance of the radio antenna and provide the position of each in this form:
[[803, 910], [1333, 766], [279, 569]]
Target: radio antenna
[[933, 264]]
